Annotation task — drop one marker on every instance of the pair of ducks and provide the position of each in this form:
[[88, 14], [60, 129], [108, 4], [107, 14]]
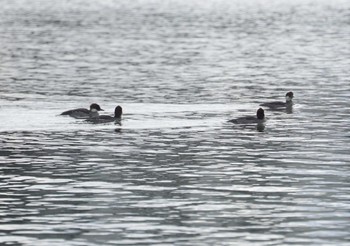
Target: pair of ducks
[[260, 114], [92, 114]]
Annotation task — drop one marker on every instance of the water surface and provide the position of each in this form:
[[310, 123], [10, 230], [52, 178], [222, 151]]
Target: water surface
[[175, 172]]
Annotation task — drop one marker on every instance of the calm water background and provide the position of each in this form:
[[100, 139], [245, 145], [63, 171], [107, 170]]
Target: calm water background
[[175, 172]]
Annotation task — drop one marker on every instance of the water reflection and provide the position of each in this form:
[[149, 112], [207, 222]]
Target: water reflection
[[289, 109], [118, 130], [260, 127]]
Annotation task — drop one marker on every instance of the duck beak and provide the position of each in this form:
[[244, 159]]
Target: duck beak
[[101, 109]]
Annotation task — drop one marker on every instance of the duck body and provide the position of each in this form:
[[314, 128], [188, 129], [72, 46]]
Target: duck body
[[274, 105], [79, 113], [246, 120]]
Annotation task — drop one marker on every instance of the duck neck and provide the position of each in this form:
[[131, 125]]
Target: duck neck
[[94, 113]]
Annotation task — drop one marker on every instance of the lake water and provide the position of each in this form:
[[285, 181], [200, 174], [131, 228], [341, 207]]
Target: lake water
[[175, 172]]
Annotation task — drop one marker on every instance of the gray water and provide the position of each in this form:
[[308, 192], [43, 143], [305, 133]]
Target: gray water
[[175, 172]]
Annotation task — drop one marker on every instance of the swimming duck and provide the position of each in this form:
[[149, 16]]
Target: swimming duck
[[83, 113], [118, 111], [278, 105], [259, 118]]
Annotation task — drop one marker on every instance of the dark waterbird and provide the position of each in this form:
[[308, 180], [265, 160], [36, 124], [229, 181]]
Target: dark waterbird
[[278, 105], [259, 118], [83, 113], [118, 111]]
